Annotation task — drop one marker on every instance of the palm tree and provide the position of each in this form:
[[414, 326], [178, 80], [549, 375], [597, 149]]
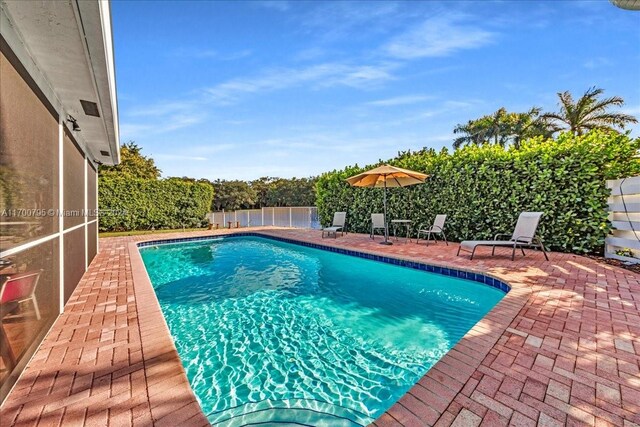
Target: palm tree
[[470, 134], [501, 128], [589, 112], [529, 125]]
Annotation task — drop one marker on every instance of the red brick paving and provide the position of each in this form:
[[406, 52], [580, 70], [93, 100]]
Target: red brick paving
[[562, 348]]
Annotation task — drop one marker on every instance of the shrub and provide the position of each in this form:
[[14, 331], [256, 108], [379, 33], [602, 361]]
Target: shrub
[[142, 204], [484, 189]]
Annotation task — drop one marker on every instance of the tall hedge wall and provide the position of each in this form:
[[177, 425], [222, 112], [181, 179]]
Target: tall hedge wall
[[143, 204], [484, 189]]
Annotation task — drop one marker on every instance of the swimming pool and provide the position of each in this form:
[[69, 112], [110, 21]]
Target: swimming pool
[[270, 331]]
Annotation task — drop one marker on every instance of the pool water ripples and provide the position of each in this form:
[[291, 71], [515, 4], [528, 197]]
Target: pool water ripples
[[283, 333]]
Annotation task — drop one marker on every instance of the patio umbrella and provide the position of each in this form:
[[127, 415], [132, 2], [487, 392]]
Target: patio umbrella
[[387, 176]]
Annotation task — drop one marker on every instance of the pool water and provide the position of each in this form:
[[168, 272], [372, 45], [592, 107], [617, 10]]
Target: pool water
[[272, 332]]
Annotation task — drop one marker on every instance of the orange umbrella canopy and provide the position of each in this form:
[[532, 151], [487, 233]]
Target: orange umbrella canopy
[[391, 175]]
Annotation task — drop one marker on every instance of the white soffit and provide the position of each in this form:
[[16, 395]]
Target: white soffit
[[70, 42]]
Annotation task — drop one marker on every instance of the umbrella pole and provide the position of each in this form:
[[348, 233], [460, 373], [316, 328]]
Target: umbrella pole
[[386, 223]]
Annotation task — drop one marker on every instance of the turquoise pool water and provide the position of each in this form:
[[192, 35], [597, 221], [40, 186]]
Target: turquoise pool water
[[271, 332]]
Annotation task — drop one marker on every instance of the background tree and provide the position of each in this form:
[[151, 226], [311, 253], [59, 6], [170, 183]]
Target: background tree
[[284, 192], [588, 112], [501, 128], [232, 195], [132, 164], [263, 189]]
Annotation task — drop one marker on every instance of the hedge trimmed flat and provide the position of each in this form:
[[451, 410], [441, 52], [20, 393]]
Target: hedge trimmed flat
[[523, 236]]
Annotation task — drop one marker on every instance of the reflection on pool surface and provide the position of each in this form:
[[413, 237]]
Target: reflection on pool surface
[[274, 332]]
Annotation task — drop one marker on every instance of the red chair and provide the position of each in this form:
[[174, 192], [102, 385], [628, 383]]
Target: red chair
[[21, 288]]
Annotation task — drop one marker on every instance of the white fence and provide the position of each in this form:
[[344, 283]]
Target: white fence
[[297, 217], [624, 213]]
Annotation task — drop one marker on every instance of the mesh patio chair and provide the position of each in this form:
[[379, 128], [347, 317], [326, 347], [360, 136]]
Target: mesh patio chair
[[338, 224], [435, 229], [524, 235], [377, 223]]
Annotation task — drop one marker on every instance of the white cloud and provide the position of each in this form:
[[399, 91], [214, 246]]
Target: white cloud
[[420, 115], [320, 75], [206, 53], [177, 157], [236, 122], [279, 5], [445, 137], [598, 62], [312, 53], [212, 148], [438, 36], [129, 130], [162, 108], [332, 142], [399, 100], [332, 21]]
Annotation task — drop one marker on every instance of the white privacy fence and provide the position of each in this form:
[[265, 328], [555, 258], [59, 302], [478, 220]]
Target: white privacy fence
[[297, 217], [624, 213]]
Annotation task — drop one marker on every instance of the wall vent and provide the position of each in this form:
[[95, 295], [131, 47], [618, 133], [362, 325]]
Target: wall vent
[[90, 108], [105, 153]]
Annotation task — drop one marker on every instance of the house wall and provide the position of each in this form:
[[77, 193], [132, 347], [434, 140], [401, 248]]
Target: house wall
[[48, 224]]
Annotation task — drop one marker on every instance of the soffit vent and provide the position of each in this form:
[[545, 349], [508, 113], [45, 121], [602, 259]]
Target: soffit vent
[[105, 153], [90, 108]]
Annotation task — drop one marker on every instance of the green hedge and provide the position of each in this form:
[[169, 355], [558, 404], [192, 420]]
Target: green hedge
[[484, 189], [143, 204]]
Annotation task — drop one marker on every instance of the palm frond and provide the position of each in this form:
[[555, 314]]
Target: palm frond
[[459, 142], [566, 101], [602, 105], [612, 119]]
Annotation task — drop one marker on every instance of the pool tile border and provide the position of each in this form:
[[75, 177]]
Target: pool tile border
[[482, 278]]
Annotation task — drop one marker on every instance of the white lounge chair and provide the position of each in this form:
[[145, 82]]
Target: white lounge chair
[[339, 219], [377, 223], [523, 235], [436, 228]]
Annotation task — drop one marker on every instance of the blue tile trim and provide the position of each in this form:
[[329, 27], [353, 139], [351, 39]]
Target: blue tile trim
[[437, 269]]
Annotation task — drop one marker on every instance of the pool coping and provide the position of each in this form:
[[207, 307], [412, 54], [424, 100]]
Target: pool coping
[[160, 354], [427, 399]]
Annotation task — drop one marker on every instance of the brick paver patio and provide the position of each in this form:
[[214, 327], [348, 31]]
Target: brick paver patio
[[562, 348]]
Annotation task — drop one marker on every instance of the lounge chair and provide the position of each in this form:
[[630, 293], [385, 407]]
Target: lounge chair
[[377, 223], [436, 228], [339, 219], [523, 236]]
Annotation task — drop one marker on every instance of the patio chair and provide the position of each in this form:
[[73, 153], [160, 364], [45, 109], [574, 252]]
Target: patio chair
[[21, 288], [338, 224], [524, 235], [435, 229], [377, 223]]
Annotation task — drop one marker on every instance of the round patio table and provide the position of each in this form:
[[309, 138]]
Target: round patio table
[[401, 223]]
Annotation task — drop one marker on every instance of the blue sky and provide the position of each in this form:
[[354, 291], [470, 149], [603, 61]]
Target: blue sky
[[240, 90]]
